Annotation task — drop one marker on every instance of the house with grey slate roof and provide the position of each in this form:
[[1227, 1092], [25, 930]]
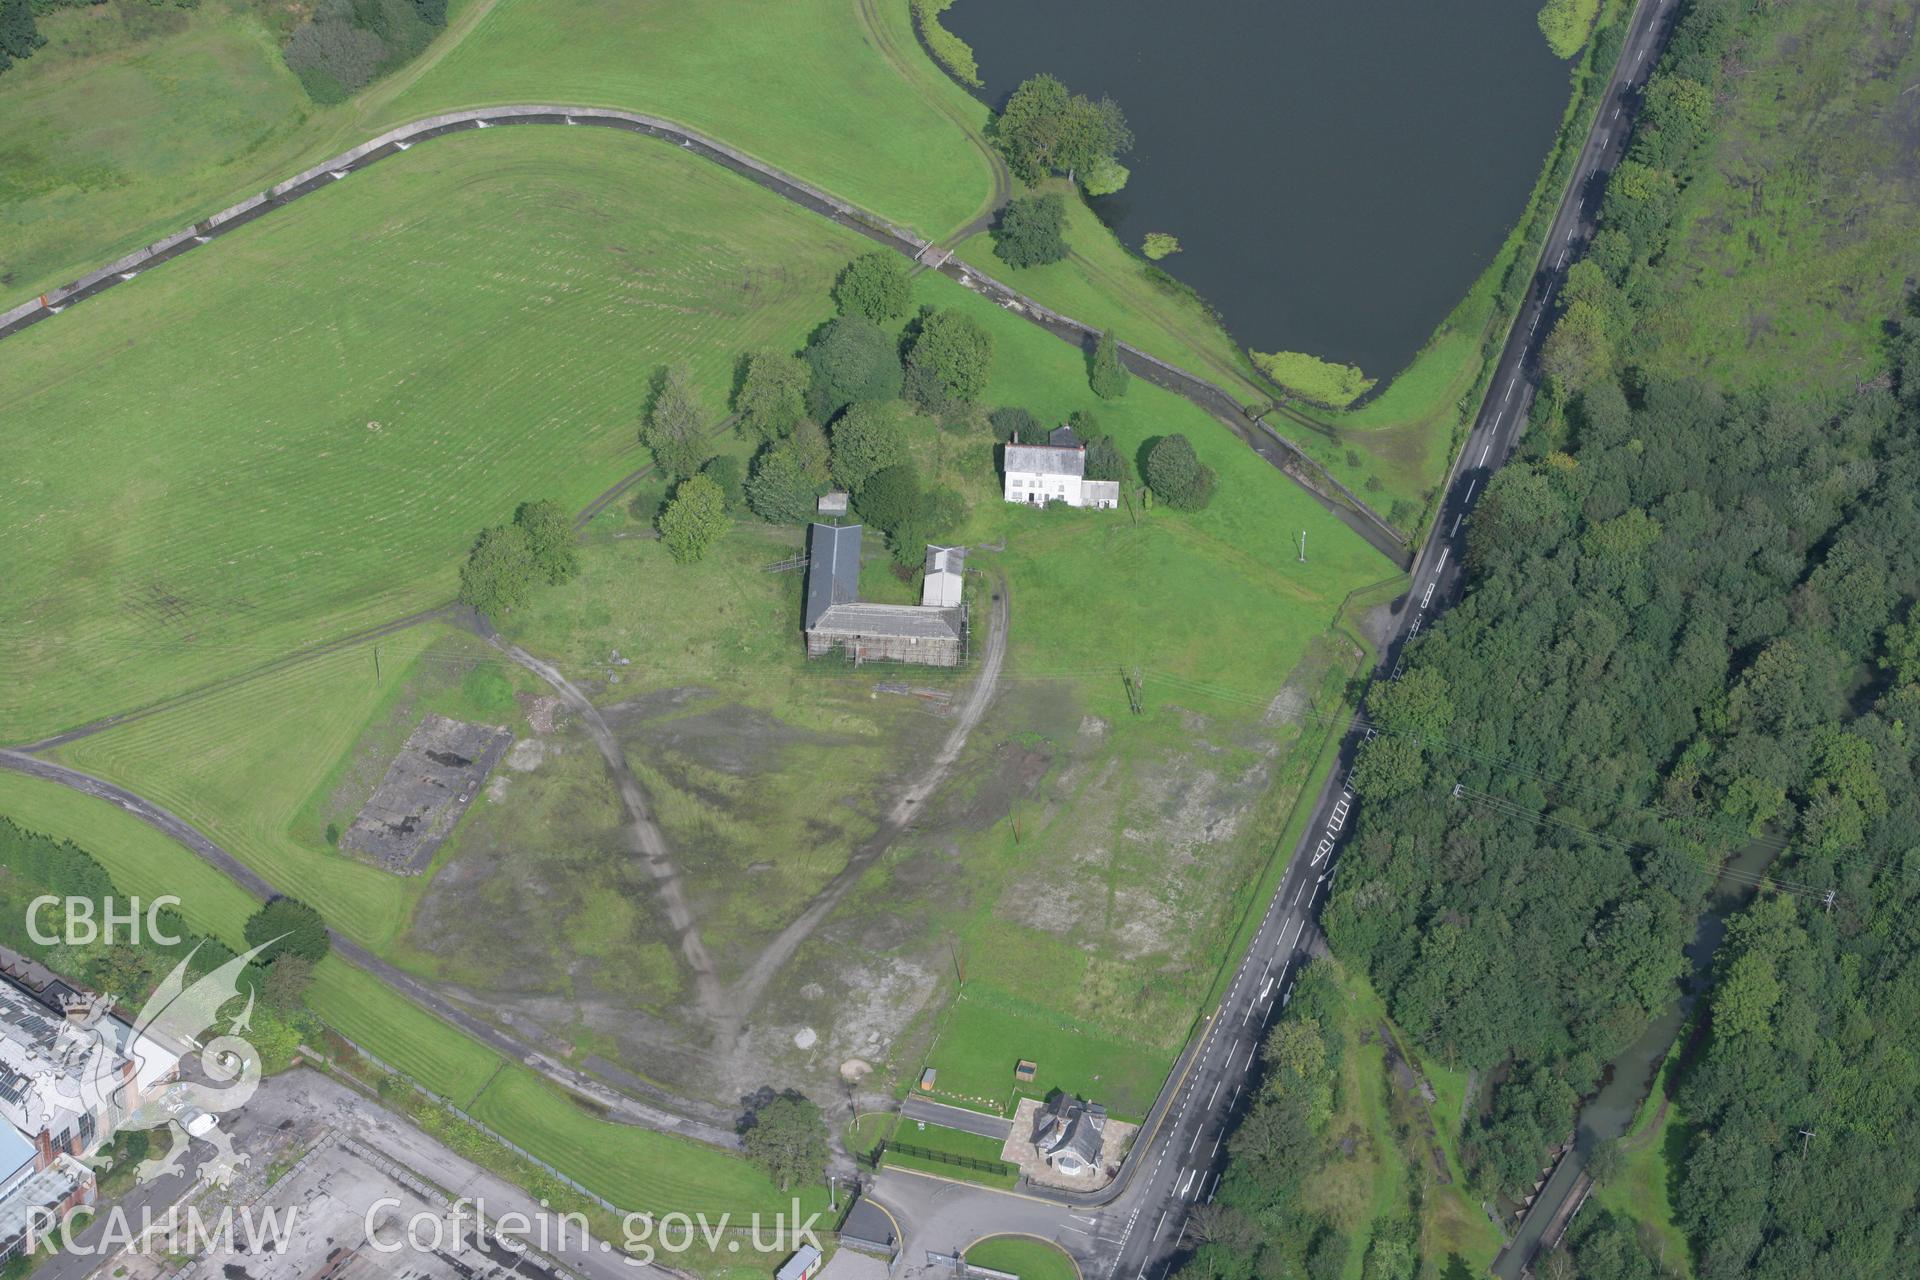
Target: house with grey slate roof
[[1068, 1131], [1036, 474], [835, 618]]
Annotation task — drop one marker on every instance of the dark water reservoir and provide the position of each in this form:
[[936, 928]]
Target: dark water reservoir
[[1337, 171]]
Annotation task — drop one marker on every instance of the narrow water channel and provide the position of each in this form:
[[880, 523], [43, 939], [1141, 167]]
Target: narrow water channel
[[1337, 173], [1608, 1113]]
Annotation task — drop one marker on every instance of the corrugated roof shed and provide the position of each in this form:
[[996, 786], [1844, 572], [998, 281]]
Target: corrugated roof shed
[[833, 568], [913, 621], [946, 559]]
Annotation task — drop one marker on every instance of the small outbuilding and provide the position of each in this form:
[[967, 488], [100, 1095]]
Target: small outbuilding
[[833, 504], [944, 585], [804, 1263]]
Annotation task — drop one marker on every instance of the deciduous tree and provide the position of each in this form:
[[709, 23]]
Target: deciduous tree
[[499, 571], [875, 285], [287, 927], [676, 427], [951, 360], [853, 361], [787, 1139], [773, 394], [1031, 231], [871, 436], [1177, 476], [779, 490], [694, 519], [550, 539]]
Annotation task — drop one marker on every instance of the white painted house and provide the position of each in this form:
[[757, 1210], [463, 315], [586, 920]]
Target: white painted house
[[1037, 474]]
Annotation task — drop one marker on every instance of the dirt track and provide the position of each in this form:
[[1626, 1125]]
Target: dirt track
[[753, 983], [643, 833]]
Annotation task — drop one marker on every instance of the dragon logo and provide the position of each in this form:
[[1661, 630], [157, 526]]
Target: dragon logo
[[172, 1021]]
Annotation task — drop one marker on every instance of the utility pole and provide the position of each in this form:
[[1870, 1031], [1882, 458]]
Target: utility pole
[[1806, 1136], [376, 664], [1829, 902], [1303, 546]]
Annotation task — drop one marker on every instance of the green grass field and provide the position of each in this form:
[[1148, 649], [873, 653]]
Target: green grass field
[[242, 762], [142, 862], [116, 134], [953, 1142], [1024, 1256], [629, 1166], [985, 1033], [300, 431], [428, 1051]]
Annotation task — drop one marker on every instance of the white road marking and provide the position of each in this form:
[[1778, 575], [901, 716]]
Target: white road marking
[[1297, 892], [1456, 523], [1508, 395], [1216, 1144], [1616, 113], [1443, 561], [1297, 926], [1215, 1095], [1470, 489], [1563, 258]]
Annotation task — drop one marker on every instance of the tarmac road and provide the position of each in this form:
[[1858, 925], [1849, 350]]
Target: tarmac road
[[1141, 1230]]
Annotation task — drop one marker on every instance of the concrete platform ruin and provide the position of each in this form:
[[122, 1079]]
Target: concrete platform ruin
[[432, 780]]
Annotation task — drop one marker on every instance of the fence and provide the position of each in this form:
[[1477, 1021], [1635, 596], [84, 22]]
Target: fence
[[975, 1163], [482, 1126]]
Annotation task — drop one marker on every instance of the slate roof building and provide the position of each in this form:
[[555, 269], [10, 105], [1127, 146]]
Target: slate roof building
[[835, 618], [1036, 474], [1068, 1131]]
